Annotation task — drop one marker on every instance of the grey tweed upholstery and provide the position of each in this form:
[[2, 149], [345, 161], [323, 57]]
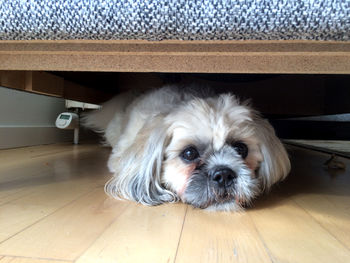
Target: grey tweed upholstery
[[175, 19]]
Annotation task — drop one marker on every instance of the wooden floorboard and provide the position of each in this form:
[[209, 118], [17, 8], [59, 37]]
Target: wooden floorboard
[[328, 215], [220, 237], [68, 232], [292, 235], [53, 209], [19, 214], [140, 234], [29, 260]]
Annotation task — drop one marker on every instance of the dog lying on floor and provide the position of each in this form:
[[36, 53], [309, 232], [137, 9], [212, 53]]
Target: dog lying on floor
[[175, 143]]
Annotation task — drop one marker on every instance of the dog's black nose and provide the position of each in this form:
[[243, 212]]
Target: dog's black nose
[[224, 176]]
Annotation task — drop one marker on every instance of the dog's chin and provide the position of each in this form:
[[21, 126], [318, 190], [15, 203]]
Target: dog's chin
[[227, 206], [232, 204], [225, 202]]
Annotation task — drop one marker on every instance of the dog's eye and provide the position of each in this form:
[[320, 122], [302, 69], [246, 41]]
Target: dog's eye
[[190, 154], [241, 148]]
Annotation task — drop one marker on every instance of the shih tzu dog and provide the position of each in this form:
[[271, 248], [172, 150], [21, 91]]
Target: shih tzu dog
[[175, 143]]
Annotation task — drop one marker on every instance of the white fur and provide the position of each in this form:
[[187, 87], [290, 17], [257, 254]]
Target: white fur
[[147, 133]]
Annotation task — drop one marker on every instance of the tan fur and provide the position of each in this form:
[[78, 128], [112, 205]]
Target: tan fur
[[155, 128]]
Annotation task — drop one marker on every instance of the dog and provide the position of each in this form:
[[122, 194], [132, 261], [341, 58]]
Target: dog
[[186, 144]]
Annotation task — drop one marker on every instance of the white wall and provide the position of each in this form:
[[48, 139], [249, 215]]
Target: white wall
[[29, 119]]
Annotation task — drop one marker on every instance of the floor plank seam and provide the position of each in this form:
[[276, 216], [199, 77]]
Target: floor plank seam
[[102, 232], [182, 227], [335, 204], [36, 258], [83, 155], [273, 260], [319, 223], [69, 203], [51, 153], [13, 200]]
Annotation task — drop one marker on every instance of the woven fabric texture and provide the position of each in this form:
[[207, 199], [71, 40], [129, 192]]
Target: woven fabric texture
[[175, 19]]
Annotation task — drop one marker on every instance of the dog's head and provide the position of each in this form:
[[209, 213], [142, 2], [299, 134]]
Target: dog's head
[[211, 153]]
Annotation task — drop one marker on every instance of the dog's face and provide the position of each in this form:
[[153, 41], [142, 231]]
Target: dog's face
[[211, 153], [212, 157]]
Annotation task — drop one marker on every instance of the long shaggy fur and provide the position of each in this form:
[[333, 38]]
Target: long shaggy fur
[[148, 133]]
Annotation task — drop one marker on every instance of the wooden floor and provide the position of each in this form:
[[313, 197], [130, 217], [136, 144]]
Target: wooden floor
[[53, 209]]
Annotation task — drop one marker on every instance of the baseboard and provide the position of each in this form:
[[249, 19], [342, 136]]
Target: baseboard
[[11, 137]]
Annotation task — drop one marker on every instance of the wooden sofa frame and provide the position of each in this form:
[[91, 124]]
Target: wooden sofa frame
[[22, 62]]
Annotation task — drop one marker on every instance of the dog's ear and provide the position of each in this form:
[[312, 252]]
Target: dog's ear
[[275, 165], [138, 168]]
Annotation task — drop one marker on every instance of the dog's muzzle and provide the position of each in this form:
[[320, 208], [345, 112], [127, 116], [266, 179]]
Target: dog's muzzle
[[223, 176]]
